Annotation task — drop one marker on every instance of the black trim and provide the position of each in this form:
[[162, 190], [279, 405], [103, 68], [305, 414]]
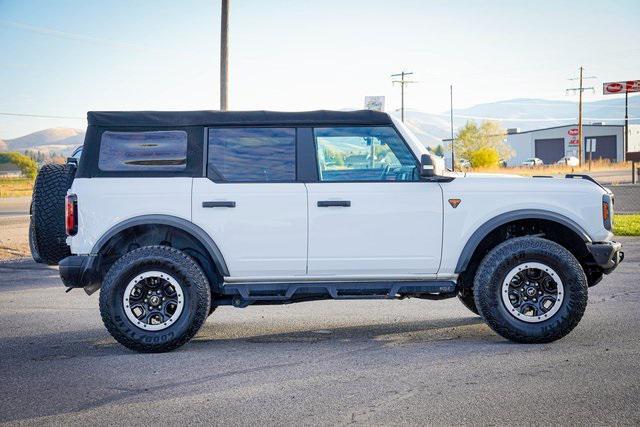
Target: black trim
[[245, 294], [156, 119], [186, 226], [78, 271], [492, 224], [306, 164], [219, 204], [607, 255], [334, 203]]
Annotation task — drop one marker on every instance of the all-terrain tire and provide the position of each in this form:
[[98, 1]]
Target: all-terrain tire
[[189, 275], [467, 299], [33, 247], [48, 222], [495, 267]]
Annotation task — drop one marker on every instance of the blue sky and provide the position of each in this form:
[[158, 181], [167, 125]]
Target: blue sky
[[64, 57]]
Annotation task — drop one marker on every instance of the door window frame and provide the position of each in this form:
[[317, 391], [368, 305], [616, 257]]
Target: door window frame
[[398, 134], [218, 178]]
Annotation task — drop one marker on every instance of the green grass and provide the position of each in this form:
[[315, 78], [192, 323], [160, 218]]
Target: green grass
[[15, 187], [626, 225]]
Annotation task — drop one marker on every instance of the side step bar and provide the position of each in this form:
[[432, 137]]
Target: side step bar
[[243, 294]]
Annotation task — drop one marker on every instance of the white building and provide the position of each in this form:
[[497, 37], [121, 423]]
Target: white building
[[600, 141]]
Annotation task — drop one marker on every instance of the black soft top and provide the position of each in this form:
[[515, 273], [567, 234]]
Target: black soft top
[[233, 118]]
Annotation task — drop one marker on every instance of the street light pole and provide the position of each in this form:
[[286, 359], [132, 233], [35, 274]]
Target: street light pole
[[224, 55]]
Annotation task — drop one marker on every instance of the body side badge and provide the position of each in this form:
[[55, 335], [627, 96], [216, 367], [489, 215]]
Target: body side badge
[[454, 202]]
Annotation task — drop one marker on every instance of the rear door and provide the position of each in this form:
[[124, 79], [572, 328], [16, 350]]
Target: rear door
[[369, 215], [250, 202]]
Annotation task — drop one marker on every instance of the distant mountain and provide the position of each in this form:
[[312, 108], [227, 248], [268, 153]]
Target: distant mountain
[[525, 114], [58, 140]]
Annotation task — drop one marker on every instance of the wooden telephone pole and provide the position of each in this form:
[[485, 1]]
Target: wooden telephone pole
[[580, 90], [224, 55], [402, 83]]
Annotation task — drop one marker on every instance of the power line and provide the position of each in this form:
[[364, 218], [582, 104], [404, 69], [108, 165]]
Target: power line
[[41, 116]]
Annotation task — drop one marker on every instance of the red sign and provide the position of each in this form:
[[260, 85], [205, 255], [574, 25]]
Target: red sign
[[573, 132], [621, 87]]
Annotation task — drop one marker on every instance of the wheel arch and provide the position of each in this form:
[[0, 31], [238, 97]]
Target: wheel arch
[[495, 223], [190, 229]]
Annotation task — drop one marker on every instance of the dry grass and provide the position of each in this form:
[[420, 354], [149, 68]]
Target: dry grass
[[15, 187], [596, 165]]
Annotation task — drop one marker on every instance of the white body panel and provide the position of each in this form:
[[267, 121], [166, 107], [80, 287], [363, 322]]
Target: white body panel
[[484, 198], [264, 235], [105, 202], [390, 228]]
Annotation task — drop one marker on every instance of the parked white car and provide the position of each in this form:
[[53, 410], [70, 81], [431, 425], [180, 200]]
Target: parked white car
[[533, 161], [463, 163], [172, 214], [569, 161]]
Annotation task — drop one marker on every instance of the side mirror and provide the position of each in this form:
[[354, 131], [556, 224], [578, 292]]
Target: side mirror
[[427, 168]]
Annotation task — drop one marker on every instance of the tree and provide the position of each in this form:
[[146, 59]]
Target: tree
[[27, 165], [471, 138], [439, 150]]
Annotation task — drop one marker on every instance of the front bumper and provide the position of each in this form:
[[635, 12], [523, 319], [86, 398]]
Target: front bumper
[[80, 271], [607, 255]]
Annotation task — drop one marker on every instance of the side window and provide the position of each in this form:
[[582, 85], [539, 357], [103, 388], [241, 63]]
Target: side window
[[158, 151], [252, 154], [363, 154]]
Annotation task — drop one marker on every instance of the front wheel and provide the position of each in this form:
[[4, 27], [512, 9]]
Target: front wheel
[[531, 290], [154, 299]]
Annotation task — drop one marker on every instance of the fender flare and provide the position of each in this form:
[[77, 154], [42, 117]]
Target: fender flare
[[188, 227], [495, 222]]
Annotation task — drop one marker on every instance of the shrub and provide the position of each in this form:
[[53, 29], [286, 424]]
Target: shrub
[[484, 157]]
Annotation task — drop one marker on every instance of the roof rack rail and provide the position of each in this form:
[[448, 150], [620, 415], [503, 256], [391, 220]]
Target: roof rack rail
[[587, 177]]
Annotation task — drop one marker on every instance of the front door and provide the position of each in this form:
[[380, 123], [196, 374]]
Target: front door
[[370, 215], [250, 203]]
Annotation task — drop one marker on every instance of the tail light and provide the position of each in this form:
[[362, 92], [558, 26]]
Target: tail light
[[71, 214], [607, 211]]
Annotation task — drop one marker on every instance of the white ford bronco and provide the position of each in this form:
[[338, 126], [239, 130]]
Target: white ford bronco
[[172, 214]]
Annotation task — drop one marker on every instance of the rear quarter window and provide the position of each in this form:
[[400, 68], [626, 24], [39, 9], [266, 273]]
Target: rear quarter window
[[152, 151]]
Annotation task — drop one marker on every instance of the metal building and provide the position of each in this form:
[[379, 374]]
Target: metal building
[[600, 141]]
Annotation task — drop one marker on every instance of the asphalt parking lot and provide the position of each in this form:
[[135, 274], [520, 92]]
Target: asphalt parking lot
[[363, 362]]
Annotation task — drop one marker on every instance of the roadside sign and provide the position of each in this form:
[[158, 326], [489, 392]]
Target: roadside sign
[[573, 132], [611, 88], [375, 103]]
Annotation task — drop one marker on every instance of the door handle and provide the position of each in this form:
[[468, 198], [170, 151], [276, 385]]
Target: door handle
[[219, 204], [330, 203]]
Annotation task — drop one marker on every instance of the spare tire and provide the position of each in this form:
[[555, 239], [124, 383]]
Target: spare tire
[[32, 237], [48, 221]]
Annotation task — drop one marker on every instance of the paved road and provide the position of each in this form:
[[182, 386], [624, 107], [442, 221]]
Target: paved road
[[363, 362], [14, 206]]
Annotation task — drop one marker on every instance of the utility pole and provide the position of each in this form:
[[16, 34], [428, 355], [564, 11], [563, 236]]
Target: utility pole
[[224, 55], [453, 160], [402, 82], [580, 90]]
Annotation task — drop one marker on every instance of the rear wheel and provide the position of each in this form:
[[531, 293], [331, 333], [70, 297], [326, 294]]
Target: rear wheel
[[531, 290], [466, 298], [154, 299], [47, 229]]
